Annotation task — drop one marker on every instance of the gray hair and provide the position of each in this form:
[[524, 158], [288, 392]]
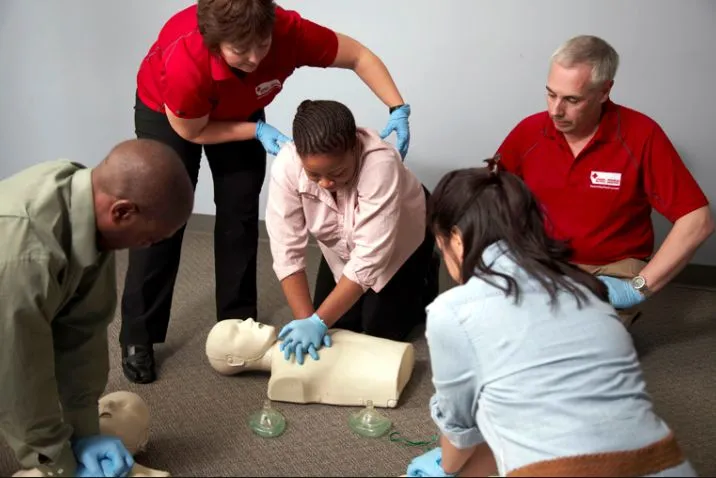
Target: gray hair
[[590, 50]]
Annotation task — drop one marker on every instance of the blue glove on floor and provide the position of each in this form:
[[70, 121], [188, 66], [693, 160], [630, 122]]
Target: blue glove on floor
[[398, 122], [271, 138], [101, 455], [303, 336], [621, 293], [428, 464]]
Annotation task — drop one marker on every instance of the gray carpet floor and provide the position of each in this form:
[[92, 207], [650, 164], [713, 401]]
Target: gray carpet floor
[[199, 418]]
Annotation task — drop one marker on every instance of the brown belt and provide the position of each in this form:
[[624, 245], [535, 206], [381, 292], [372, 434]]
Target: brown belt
[[658, 456]]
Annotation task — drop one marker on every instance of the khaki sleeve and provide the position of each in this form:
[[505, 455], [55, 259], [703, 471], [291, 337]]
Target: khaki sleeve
[[81, 350], [30, 413]]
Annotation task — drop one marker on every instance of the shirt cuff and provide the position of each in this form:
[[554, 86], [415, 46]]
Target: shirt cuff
[[364, 282], [84, 422], [459, 437], [64, 465], [283, 271]]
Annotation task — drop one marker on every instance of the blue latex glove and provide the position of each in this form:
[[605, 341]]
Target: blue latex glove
[[428, 464], [107, 470], [303, 336], [398, 122], [621, 293], [101, 455], [271, 138]]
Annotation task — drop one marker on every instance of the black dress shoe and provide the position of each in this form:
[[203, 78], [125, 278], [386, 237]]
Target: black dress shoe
[[138, 363]]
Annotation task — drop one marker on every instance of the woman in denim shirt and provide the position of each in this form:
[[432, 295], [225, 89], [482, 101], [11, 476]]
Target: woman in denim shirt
[[534, 374]]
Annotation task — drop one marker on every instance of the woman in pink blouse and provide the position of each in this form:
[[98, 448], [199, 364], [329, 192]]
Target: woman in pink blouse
[[350, 190]]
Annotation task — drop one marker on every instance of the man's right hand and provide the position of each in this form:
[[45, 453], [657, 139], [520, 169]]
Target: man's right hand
[[102, 455]]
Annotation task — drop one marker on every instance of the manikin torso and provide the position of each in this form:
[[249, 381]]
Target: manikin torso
[[355, 369], [125, 416]]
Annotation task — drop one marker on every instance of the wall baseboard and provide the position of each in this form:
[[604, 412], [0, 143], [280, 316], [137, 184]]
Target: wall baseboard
[[694, 275]]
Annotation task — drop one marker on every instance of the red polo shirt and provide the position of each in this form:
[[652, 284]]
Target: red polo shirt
[[602, 200], [180, 73]]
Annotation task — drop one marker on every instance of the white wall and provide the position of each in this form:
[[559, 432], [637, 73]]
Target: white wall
[[470, 69]]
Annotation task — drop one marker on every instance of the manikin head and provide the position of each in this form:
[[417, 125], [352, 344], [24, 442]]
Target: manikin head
[[126, 416], [580, 78], [326, 140], [142, 195], [234, 346], [239, 30]]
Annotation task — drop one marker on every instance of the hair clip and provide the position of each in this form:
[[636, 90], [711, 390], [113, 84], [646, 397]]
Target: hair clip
[[492, 164]]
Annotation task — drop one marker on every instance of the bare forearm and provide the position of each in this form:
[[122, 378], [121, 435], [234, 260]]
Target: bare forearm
[[481, 463], [685, 237], [339, 301], [454, 459], [376, 76], [224, 132], [295, 288]]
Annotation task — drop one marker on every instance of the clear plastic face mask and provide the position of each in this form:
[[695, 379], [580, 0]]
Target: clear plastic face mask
[[267, 422], [369, 422]]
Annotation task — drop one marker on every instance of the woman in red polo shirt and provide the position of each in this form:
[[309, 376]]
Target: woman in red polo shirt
[[203, 86]]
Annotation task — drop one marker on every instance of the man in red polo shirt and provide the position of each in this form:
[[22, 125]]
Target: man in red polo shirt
[[203, 87], [598, 169]]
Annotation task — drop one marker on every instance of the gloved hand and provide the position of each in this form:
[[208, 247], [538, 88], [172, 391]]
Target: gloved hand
[[303, 336], [428, 464], [102, 455], [271, 138], [621, 293], [398, 122]]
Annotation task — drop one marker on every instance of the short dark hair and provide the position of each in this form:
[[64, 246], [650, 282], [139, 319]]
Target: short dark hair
[[487, 205], [324, 127], [237, 22]]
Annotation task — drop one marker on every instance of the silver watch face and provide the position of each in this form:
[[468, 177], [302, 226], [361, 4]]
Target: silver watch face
[[638, 282]]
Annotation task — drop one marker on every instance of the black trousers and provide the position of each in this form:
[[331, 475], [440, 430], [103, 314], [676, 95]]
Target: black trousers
[[238, 170], [393, 312]]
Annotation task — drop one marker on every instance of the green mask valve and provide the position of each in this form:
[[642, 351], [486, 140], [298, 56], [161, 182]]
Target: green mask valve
[[369, 422], [267, 422]]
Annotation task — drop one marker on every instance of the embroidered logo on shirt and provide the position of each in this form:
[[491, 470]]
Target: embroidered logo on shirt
[[605, 180], [266, 87]]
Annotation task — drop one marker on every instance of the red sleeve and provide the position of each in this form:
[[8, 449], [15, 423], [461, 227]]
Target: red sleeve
[[510, 150], [186, 83], [670, 187], [315, 45]]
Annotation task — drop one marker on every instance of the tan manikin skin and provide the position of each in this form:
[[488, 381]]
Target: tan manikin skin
[[126, 416], [355, 369]]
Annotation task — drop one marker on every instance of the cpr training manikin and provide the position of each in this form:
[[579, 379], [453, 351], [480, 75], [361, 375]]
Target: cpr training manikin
[[356, 369], [126, 416]]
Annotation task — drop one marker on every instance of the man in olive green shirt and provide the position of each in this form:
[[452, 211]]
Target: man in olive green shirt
[[59, 223]]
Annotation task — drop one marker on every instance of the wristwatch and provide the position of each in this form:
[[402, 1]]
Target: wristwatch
[[639, 284]]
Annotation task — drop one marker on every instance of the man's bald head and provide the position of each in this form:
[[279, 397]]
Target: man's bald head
[[142, 191]]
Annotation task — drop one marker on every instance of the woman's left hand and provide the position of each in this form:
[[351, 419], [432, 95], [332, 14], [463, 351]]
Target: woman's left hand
[[303, 336], [398, 122]]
